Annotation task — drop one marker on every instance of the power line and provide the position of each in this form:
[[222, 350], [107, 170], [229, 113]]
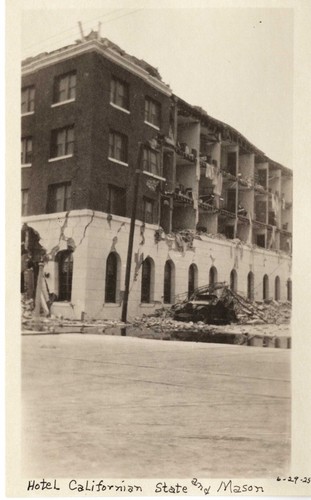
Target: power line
[[95, 19], [71, 29]]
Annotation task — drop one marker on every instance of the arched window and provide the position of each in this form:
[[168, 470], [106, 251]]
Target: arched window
[[65, 269], [234, 280], [250, 286], [289, 290], [112, 278], [212, 275], [192, 279], [168, 282], [265, 290], [277, 288], [147, 281]]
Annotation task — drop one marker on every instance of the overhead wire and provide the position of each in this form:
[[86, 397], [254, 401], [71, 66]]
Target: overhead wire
[[70, 37], [72, 29]]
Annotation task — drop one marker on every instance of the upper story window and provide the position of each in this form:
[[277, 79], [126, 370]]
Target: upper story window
[[152, 112], [26, 152], [28, 100], [118, 147], [25, 201], [59, 198], [148, 210], [116, 200], [65, 87], [62, 142], [151, 161], [119, 94]]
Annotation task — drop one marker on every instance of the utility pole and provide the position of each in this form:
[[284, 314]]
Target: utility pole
[[236, 198], [131, 240]]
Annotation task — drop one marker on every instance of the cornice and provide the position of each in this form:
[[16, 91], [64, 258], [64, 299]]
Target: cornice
[[95, 46]]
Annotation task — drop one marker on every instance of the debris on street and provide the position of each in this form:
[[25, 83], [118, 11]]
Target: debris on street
[[213, 313]]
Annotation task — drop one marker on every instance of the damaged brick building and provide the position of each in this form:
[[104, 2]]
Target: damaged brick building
[[210, 205]]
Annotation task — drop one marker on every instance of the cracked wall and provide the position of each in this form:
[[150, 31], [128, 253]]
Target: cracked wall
[[93, 235]]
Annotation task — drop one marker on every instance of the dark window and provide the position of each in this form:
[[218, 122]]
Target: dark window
[[152, 112], [192, 279], [25, 200], [116, 200], [277, 288], [265, 291], [65, 268], [151, 161], [148, 211], [261, 240], [26, 152], [118, 146], [168, 277], [28, 99], [229, 232], [62, 143], [261, 210], [231, 196], [111, 278], [250, 286], [65, 87], [272, 218], [289, 290], [146, 281], [232, 163], [59, 198], [119, 93], [233, 280], [212, 275]]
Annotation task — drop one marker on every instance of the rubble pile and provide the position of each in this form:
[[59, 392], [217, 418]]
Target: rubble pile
[[54, 324], [274, 312], [262, 322], [244, 311]]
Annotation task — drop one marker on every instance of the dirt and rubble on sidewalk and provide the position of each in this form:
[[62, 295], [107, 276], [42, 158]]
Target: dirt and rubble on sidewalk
[[255, 323], [55, 324], [201, 318]]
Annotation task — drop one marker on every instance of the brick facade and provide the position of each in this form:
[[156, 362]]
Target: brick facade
[[204, 206]]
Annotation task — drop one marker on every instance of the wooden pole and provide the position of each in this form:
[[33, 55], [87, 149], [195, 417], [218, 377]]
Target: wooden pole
[[38, 291], [131, 241]]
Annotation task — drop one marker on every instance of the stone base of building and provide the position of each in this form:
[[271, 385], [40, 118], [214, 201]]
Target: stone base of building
[[176, 263]]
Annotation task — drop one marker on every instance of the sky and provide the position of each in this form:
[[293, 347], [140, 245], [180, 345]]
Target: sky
[[236, 63]]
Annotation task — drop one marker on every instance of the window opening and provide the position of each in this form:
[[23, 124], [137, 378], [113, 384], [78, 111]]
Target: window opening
[[65, 267], [111, 278]]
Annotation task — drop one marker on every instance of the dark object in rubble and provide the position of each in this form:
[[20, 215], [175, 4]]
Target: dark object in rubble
[[206, 306]]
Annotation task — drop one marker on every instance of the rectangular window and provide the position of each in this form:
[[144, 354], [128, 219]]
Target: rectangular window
[[232, 163], [231, 197], [65, 87], [116, 200], [28, 99], [119, 93], [152, 112], [261, 240], [229, 232], [261, 211], [25, 200], [148, 211], [118, 147], [26, 152], [62, 142], [151, 161], [59, 198]]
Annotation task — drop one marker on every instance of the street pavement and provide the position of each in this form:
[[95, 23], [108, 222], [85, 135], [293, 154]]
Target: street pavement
[[109, 406]]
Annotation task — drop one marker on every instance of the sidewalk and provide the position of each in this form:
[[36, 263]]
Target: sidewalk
[[108, 406]]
